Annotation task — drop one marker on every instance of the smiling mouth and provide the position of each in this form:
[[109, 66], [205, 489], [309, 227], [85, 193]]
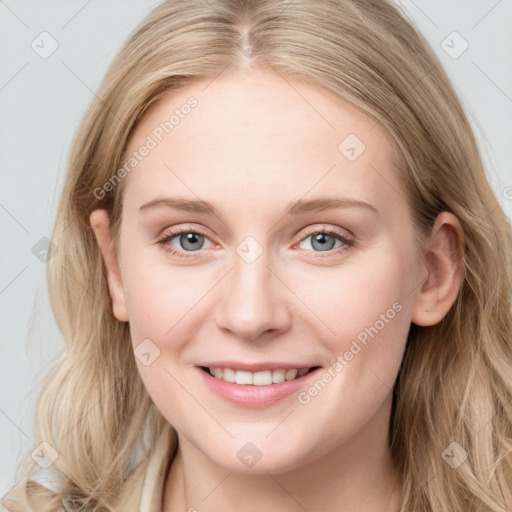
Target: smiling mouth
[[262, 378]]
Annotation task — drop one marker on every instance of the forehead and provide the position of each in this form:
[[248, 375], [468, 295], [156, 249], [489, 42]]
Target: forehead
[[231, 135]]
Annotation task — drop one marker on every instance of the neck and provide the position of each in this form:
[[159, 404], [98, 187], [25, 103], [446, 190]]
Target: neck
[[357, 476]]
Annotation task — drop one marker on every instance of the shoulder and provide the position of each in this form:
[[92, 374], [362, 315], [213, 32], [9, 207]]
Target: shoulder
[[30, 496], [35, 494], [141, 491]]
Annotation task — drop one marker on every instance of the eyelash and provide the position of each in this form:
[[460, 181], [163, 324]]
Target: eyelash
[[163, 242]]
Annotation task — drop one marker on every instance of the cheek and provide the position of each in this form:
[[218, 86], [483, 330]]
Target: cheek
[[166, 306], [355, 296], [362, 315], [160, 302], [161, 299]]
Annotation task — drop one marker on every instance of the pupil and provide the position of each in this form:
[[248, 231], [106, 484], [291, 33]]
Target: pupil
[[321, 239], [190, 238]]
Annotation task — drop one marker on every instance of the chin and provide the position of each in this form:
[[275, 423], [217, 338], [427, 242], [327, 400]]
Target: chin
[[254, 458]]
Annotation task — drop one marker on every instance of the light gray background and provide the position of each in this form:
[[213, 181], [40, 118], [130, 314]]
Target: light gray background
[[43, 99]]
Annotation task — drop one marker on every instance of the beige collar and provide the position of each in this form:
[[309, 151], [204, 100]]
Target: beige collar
[[159, 462], [143, 489]]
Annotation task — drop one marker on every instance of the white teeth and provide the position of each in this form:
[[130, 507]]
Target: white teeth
[[291, 374], [263, 378], [278, 376], [227, 374], [243, 377]]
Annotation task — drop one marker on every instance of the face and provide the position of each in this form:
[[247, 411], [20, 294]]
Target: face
[[275, 279]]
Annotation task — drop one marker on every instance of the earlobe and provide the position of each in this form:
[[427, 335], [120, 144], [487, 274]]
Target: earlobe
[[444, 269], [100, 224]]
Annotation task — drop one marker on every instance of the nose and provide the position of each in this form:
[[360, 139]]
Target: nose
[[254, 301]]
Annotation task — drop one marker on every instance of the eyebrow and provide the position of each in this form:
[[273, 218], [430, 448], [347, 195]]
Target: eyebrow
[[298, 207]]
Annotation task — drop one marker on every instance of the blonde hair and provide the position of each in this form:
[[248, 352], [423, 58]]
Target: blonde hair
[[454, 382]]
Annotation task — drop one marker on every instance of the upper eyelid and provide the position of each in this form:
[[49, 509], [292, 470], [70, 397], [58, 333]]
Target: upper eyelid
[[179, 230], [327, 229]]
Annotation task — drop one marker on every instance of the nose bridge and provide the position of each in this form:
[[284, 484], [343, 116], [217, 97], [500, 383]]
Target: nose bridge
[[251, 278], [253, 301]]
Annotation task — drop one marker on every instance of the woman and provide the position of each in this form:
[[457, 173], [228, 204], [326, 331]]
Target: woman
[[339, 337]]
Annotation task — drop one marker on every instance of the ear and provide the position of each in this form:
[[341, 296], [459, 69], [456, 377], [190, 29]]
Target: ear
[[100, 224], [444, 262]]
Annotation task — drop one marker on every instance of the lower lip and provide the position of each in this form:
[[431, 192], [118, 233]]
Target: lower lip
[[248, 395]]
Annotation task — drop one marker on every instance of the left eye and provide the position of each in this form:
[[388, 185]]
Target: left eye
[[322, 241], [189, 241]]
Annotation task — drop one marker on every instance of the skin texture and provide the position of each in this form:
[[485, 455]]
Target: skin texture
[[252, 145]]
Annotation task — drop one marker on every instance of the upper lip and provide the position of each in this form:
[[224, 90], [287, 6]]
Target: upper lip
[[255, 367]]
